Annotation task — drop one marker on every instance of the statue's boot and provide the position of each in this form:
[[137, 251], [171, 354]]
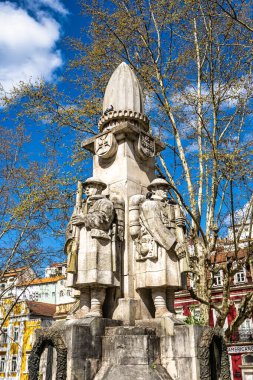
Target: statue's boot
[[159, 299], [83, 305], [96, 303], [164, 304]]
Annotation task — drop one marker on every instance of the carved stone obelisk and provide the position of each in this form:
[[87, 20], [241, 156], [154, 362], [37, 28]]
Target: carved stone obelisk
[[124, 158]]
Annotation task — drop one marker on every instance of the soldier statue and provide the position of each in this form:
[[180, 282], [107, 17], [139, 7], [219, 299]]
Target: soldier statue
[[157, 227], [92, 263]]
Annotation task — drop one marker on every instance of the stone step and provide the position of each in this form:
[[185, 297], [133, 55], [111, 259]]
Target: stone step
[[129, 330], [136, 372]]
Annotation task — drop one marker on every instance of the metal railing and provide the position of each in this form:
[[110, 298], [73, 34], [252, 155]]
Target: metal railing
[[243, 335]]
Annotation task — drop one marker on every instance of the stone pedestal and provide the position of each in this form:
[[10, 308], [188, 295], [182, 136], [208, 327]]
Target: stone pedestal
[[83, 338], [154, 349], [131, 353], [101, 349], [179, 352]]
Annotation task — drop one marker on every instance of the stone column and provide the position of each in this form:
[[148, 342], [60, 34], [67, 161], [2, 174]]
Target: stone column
[[124, 154]]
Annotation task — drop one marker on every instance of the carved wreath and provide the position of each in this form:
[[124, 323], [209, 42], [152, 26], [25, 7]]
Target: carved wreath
[[43, 340]]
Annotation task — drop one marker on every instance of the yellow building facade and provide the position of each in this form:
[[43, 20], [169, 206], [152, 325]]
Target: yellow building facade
[[18, 321]]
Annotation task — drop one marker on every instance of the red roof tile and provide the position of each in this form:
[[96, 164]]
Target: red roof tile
[[57, 265], [15, 271], [41, 308], [45, 280]]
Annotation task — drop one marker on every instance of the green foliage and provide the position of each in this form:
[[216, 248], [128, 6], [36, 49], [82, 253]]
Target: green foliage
[[195, 318]]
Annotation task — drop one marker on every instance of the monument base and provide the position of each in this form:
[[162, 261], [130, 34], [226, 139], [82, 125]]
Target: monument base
[[105, 349]]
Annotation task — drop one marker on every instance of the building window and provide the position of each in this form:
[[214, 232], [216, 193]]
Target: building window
[[53, 294], [217, 279], [240, 277], [4, 335], [14, 364], [2, 364], [248, 359], [69, 292], [61, 293], [15, 335]]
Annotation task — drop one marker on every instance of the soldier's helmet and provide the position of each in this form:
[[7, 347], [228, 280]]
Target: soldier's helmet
[[94, 181], [158, 182]]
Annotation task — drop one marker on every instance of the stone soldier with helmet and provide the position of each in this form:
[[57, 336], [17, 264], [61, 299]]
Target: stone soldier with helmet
[[159, 250], [91, 267]]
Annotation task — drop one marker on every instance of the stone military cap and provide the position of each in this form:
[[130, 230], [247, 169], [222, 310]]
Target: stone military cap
[[94, 181], [158, 182]]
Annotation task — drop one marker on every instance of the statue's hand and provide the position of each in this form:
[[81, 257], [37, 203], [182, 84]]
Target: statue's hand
[[180, 250], [77, 220]]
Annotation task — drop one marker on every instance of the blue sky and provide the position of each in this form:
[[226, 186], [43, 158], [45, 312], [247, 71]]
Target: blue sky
[[32, 36], [33, 46]]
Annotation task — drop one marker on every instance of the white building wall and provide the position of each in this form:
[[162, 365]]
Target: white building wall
[[53, 293], [63, 294], [245, 233]]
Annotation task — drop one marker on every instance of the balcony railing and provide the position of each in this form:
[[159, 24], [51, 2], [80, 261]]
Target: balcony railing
[[243, 335]]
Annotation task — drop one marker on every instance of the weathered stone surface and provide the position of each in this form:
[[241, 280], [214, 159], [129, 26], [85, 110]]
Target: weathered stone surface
[[84, 342], [123, 91], [123, 97], [93, 247], [153, 223], [131, 352], [137, 372], [179, 352]]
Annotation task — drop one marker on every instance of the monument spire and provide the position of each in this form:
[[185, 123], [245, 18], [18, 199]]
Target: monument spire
[[123, 99], [123, 90]]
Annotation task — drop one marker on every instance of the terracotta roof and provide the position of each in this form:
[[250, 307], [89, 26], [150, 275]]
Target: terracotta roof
[[15, 271], [45, 280], [41, 308], [57, 265]]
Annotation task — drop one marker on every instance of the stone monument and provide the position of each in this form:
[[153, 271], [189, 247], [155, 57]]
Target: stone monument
[[127, 255], [93, 253]]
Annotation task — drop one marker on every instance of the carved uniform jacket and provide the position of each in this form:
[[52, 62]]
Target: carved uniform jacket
[[161, 267], [94, 262]]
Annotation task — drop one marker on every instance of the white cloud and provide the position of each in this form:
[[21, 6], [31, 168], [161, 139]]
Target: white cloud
[[27, 46], [192, 148], [240, 215], [229, 94], [54, 5]]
